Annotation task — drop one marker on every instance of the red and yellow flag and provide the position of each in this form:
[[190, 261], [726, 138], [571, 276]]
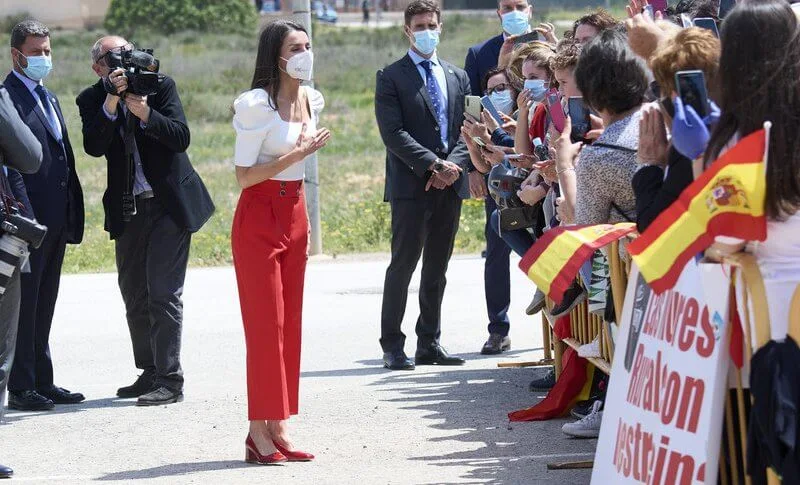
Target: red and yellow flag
[[726, 200], [554, 260]]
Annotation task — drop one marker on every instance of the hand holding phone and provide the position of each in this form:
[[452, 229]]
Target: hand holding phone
[[579, 116], [707, 23], [472, 107], [691, 87], [528, 38]]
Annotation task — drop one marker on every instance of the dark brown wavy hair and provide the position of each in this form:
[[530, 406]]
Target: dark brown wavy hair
[[759, 79], [267, 75]]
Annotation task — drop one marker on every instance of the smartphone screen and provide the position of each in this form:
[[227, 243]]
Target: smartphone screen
[[692, 90], [472, 106], [659, 5], [528, 38], [725, 6], [486, 102], [579, 116], [649, 11], [707, 23], [686, 20], [555, 110]]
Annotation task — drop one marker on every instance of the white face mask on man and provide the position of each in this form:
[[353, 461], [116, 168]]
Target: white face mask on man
[[300, 66]]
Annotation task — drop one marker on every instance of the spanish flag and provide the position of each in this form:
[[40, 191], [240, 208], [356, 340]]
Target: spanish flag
[[554, 260], [726, 200]]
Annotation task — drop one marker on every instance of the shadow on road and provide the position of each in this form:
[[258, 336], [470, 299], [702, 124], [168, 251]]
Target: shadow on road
[[474, 404], [111, 402], [173, 470]]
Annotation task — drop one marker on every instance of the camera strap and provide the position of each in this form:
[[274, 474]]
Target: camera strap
[[10, 204]]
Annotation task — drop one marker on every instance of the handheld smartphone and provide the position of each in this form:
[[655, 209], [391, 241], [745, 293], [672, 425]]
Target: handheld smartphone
[[528, 38], [692, 90], [725, 6], [659, 5], [555, 110], [686, 20], [487, 104], [707, 23], [472, 106], [649, 11], [579, 115]]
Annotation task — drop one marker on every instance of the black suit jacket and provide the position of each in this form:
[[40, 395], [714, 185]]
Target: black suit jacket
[[410, 130], [54, 190], [162, 147], [482, 58]]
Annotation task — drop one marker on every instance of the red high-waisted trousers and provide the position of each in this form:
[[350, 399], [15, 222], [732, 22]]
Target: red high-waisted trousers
[[270, 241]]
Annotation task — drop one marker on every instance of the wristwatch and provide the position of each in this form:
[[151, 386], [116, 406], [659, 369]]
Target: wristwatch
[[438, 166]]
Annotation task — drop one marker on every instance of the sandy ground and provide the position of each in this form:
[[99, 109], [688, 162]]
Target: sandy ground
[[367, 425]]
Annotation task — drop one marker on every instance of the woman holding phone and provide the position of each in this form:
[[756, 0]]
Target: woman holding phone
[[747, 101], [276, 129]]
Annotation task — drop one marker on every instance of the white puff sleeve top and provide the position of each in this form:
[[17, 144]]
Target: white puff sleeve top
[[261, 134]]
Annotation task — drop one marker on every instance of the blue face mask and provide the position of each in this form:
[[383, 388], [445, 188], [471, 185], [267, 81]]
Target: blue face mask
[[502, 101], [515, 23], [426, 41], [38, 67], [537, 88]]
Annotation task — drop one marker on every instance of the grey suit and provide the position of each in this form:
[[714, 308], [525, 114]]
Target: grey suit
[[19, 149], [420, 220]]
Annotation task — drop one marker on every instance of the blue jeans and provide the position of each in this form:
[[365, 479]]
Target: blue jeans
[[496, 276], [520, 240]]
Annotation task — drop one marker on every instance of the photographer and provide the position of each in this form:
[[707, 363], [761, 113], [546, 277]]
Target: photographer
[[19, 149], [144, 137]]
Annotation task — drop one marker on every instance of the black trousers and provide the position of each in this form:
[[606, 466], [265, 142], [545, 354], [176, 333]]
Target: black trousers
[[9, 317], [152, 254], [33, 366], [424, 227]]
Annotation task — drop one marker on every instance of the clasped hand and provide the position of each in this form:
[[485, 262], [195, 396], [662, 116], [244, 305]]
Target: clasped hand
[[445, 177]]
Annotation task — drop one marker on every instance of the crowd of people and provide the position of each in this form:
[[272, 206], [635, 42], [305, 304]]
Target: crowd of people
[[590, 127]]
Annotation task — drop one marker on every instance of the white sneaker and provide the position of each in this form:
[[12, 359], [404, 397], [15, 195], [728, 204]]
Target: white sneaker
[[592, 349], [588, 427]]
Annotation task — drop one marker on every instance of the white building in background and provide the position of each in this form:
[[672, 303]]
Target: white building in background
[[66, 14]]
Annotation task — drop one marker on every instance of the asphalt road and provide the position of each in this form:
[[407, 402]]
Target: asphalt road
[[365, 424]]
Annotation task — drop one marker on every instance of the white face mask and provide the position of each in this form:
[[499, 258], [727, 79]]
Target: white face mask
[[300, 66]]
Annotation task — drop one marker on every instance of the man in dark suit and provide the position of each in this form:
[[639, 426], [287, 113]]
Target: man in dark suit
[[481, 59], [152, 245], [419, 106], [57, 201]]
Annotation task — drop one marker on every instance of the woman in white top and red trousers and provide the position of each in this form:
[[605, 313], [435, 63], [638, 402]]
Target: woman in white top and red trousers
[[276, 129]]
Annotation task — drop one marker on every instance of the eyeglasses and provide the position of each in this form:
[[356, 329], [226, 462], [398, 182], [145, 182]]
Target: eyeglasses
[[498, 88]]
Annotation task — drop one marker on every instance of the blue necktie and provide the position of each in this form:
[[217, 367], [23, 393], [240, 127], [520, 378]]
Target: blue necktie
[[49, 112], [437, 98]]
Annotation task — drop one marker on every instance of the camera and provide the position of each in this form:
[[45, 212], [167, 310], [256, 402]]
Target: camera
[[141, 70], [19, 234]]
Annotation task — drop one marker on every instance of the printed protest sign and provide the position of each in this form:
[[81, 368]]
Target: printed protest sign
[[662, 419]]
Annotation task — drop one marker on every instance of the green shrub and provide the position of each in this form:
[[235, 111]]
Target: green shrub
[[126, 17]]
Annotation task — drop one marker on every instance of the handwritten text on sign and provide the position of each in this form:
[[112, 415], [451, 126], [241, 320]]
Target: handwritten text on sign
[[662, 416]]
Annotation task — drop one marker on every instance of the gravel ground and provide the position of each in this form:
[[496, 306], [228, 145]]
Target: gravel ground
[[365, 424]]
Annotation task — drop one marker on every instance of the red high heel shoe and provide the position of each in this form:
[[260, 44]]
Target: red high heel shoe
[[252, 454], [293, 455]]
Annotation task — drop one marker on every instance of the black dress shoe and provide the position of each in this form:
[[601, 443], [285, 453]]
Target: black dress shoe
[[397, 361], [162, 395], [436, 356], [59, 395], [497, 344], [29, 401], [5, 472], [144, 384]]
